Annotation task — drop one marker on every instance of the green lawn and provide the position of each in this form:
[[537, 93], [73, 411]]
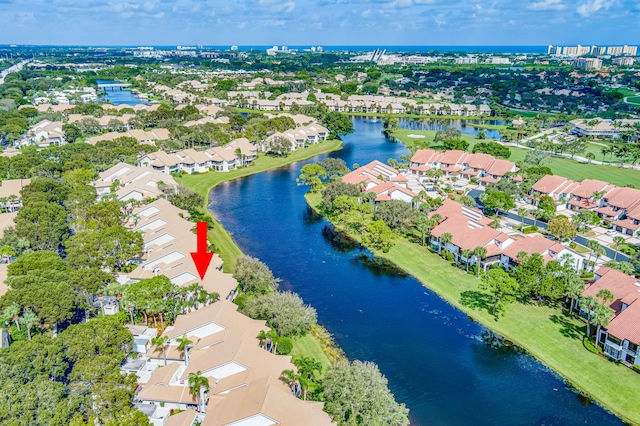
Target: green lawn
[[566, 167], [488, 126], [545, 332], [307, 345], [203, 183], [635, 100]]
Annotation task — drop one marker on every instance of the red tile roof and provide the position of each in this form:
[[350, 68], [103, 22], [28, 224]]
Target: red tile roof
[[621, 285], [627, 324]]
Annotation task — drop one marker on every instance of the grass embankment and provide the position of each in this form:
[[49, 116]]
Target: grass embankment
[[566, 167], [544, 331], [203, 183], [488, 126], [317, 344]]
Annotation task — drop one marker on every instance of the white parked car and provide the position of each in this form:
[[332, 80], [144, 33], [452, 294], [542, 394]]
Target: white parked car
[[611, 232]]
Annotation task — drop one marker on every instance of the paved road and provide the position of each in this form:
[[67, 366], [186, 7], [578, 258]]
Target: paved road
[[475, 193], [14, 68]]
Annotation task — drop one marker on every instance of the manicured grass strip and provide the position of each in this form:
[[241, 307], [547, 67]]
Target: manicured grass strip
[[543, 331], [307, 345], [566, 167], [488, 126], [203, 183]]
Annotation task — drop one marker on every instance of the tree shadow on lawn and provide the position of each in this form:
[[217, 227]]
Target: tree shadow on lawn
[[569, 328], [476, 300]]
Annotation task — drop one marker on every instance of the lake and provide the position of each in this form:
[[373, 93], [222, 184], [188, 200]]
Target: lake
[[446, 368], [119, 96]]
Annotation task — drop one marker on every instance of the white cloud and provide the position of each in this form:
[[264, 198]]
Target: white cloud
[[398, 4], [547, 5], [440, 20], [593, 6], [365, 13]]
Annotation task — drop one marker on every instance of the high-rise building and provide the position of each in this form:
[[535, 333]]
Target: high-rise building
[[554, 50], [625, 60], [588, 63]]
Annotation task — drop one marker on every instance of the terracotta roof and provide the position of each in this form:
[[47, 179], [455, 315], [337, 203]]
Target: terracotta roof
[[626, 324], [621, 285]]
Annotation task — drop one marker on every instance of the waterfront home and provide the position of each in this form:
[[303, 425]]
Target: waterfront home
[[621, 338], [205, 327], [300, 136], [469, 229], [373, 174], [486, 168], [168, 240], [265, 402], [239, 152], [387, 191], [130, 182], [11, 194]]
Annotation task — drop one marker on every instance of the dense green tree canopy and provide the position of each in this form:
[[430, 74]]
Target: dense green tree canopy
[[255, 276], [283, 311], [356, 394]]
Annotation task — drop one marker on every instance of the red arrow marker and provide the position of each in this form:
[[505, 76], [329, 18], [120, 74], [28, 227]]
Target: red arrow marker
[[202, 258]]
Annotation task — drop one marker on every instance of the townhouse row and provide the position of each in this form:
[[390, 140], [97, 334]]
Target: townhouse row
[[354, 103], [237, 153], [486, 168], [469, 229], [619, 206], [299, 137], [384, 181], [244, 385]]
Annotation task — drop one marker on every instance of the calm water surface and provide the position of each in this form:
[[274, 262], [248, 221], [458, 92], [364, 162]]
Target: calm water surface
[[438, 362], [118, 97]]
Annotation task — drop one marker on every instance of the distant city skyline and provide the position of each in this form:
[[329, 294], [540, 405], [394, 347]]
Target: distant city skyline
[[323, 22]]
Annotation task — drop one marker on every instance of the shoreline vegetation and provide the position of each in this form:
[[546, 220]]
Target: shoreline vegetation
[[318, 343], [544, 332]]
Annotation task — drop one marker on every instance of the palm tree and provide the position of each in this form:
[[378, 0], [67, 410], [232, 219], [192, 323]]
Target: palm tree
[[11, 312], [593, 246], [466, 253], [198, 385], [29, 319], [161, 343], [605, 295], [590, 156], [575, 287], [601, 317], [523, 213], [183, 345], [445, 239], [617, 241], [291, 379], [588, 304], [481, 253], [599, 251]]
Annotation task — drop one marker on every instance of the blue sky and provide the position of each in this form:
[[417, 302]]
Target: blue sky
[[322, 22]]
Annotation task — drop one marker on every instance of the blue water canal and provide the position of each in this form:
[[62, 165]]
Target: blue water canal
[[438, 362], [119, 96]]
